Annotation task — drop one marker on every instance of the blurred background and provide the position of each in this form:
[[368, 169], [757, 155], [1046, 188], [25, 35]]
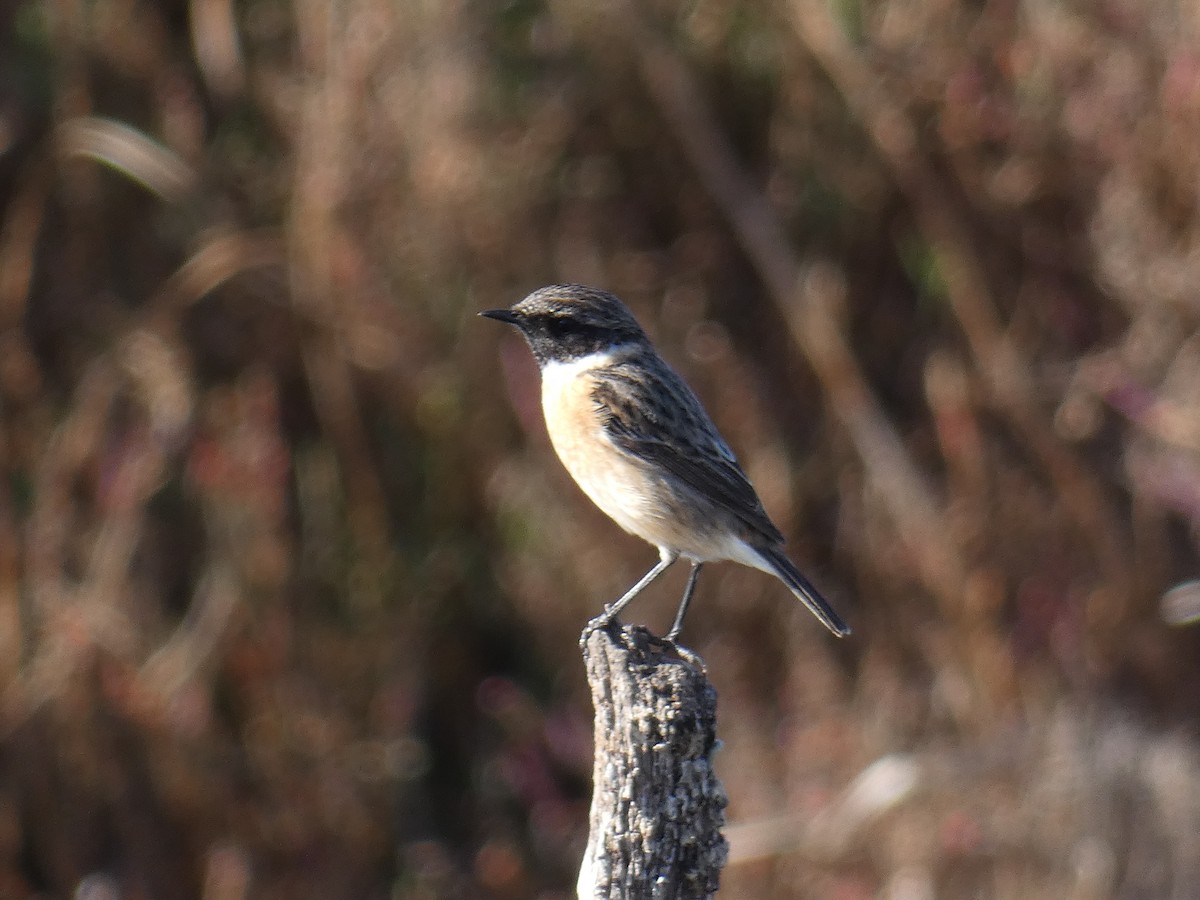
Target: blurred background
[[291, 582]]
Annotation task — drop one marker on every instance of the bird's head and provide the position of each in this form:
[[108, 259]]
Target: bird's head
[[563, 322]]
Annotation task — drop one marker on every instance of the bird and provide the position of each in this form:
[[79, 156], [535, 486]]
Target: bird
[[638, 442]]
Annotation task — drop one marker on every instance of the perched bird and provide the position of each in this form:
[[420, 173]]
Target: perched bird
[[637, 441]]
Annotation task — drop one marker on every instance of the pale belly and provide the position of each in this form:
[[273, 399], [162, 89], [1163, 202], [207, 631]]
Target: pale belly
[[622, 486]]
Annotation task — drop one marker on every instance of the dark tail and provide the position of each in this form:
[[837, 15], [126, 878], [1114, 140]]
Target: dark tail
[[802, 588]]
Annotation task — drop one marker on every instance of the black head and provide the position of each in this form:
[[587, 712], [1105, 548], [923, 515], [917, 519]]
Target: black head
[[566, 321]]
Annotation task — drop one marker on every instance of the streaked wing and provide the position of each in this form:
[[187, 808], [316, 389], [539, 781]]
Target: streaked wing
[[649, 412]]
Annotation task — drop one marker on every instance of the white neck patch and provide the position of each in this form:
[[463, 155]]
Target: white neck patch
[[563, 371]]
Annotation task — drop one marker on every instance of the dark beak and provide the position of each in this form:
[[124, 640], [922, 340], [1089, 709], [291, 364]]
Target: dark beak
[[501, 315]]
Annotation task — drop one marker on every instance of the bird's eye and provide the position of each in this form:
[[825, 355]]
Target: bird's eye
[[557, 326]]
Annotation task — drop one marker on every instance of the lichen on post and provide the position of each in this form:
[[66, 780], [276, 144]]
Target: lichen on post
[[657, 806]]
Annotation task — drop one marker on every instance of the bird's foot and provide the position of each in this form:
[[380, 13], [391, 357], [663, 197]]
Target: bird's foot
[[601, 622], [690, 656]]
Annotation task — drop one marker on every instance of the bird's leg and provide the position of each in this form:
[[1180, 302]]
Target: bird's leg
[[666, 558], [690, 589]]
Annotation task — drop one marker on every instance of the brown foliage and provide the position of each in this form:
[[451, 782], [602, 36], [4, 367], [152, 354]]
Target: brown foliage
[[290, 581]]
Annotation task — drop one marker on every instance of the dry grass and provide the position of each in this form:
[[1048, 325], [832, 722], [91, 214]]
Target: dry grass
[[290, 582]]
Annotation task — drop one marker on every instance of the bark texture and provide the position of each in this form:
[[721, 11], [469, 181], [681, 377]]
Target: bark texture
[[657, 806]]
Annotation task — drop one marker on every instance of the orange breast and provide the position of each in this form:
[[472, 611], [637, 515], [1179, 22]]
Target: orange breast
[[623, 486], [615, 481]]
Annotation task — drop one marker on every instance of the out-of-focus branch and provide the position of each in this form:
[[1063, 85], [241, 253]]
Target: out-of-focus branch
[[877, 790], [316, 240], [129, 151], [1006, 373], [223, 255], [64, 619], [192, 644], [217, 46]]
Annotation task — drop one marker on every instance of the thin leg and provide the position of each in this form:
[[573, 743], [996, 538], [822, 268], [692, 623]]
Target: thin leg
[[661, 566], [690, 589]]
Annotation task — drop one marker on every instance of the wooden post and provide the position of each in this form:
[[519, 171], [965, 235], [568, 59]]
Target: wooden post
[[657, 806]]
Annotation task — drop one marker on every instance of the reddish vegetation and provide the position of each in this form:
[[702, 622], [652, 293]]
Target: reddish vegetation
[[290, 581]]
